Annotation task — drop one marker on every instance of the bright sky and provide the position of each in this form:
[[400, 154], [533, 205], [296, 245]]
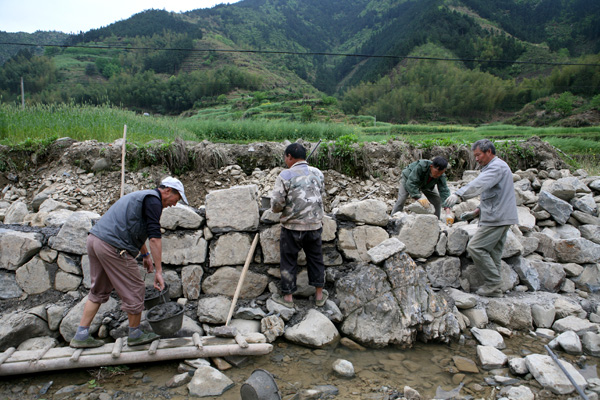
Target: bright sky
[[72, 16]]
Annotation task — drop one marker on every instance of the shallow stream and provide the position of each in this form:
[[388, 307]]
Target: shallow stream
[[380, 374]]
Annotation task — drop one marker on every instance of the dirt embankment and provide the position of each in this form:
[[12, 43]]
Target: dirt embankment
[[87, 174]]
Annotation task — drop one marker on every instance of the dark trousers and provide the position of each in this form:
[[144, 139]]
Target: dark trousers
[[289, 246]]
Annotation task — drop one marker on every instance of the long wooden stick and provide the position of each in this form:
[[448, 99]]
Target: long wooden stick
[[142, 356], [123, 151], [242, 276]]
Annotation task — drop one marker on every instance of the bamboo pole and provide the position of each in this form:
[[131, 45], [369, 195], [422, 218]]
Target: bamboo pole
[[142, 356], [197, 340], [76, 355], [123, 151], [242, 277], [6, 355], [117, 347]]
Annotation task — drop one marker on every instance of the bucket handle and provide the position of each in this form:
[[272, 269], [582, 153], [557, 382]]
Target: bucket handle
[[161, 297]]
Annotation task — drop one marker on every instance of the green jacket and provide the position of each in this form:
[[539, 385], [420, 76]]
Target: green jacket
[[416, 177]]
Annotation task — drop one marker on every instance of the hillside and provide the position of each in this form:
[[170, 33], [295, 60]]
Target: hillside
[[165, 62]]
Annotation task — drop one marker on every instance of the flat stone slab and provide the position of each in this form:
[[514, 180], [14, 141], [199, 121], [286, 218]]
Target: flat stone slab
[[550, 376]]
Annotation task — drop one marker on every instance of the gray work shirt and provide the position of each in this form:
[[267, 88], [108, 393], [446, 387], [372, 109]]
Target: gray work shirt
[[498, 203]]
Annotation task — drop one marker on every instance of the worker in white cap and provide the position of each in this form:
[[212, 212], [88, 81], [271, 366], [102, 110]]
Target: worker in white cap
[[113, 244]]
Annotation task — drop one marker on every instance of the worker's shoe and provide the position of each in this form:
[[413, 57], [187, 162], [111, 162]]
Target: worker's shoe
[[90, 342], [490, 291], [279, 299], [145, 338], [321, 303]]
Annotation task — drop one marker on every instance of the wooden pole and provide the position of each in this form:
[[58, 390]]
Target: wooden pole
[[123, 150], [87, 360], [242, 276], [22, 93]]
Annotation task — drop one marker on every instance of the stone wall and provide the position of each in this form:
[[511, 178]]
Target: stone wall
[[391, 280]]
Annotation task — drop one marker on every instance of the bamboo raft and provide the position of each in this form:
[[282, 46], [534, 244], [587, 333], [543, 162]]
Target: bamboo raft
[[14, 362]]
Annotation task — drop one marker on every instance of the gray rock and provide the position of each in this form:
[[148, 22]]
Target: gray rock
[[568, 341], [370, 211], [34, 276], [595, 185], [585, 204], [16, 213], [9, 289], [490, 357], [355, 243], [513, 313], [559, 209], [477, 316], [591, 343], [55, 315], [68, 264], [343, 368], [208, 381], [578, 325], [550, 376], [180, 216], [186, 249], [420, 235], [440, 247], [509, 277], [329, 229], [518, 393], [315, 330], [284, 312], [457, 241], [443, 272], [488, 337], [543, 315], [18, 248], [65, 282], [85, 270], [191, 278], [580, 251], [37, 343], [565, 307], [234, 209], [385, 250], [586, 219], [224, 282], [590, 232], [589, 279], [517, 366], [272, 327], [213, 310], [545, 245], [18, 326], [526, 219], [269, 243], [249, 313], [461, 299], [552, 275], [527, 274], [72, 236], [390, 305]]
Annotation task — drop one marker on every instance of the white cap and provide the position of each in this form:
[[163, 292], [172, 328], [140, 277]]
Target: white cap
[[175, 184]]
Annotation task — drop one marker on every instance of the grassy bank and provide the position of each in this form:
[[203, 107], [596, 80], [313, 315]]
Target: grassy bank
[[41, 123]]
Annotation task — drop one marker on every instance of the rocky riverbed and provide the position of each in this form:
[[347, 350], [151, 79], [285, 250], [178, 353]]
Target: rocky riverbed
[[401, 312]]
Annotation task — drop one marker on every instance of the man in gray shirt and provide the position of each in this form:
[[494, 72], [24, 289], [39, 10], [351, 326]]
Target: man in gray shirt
[[498, 212]]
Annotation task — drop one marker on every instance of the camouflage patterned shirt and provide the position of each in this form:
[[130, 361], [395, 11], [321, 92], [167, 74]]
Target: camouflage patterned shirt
[[298, 196]]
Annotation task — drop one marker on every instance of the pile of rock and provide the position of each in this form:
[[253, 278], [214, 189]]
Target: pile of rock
[[383, 274]]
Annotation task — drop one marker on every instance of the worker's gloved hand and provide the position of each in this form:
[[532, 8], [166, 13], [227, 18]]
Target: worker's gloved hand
[[452, 200], [424, 202], [449, 220], [467, 216]]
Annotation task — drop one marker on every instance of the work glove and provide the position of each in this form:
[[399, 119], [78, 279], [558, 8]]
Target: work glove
[[424, 202], [452, 200], [467, 216]]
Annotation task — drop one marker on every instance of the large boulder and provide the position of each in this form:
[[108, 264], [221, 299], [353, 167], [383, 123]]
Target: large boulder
[[371, 212], [18, 326], [225, 281], [180, 216], [16, 213], [34, 276], [72, 237], [230, 249], [234, 209], [550, 376], [315, 330], [354, 243], [184, 249], [70, 322], [420, 235], [390, 305], [559, 209], [579, 250], [18, 247]]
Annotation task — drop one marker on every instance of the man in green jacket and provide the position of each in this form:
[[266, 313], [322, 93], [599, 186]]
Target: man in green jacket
[[419, 180]]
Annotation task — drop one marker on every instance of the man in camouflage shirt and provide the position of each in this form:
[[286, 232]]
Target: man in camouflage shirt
[[298, 196]]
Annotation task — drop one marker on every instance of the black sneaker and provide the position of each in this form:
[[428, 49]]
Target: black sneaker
[[145, 338], [90, 342]]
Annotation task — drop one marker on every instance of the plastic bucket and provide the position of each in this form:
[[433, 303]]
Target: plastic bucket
[[260, 386], [156, 297], [166, 325]]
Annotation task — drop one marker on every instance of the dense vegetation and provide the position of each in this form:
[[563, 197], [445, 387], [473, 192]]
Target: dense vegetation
[[161, 62]]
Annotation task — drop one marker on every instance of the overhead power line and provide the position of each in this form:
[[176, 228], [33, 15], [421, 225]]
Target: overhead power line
[[308, 53]]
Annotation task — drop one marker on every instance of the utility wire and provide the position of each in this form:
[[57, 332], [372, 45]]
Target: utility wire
[[308, 53]]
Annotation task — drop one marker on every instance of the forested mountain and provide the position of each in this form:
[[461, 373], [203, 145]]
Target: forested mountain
[[297, 46]]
